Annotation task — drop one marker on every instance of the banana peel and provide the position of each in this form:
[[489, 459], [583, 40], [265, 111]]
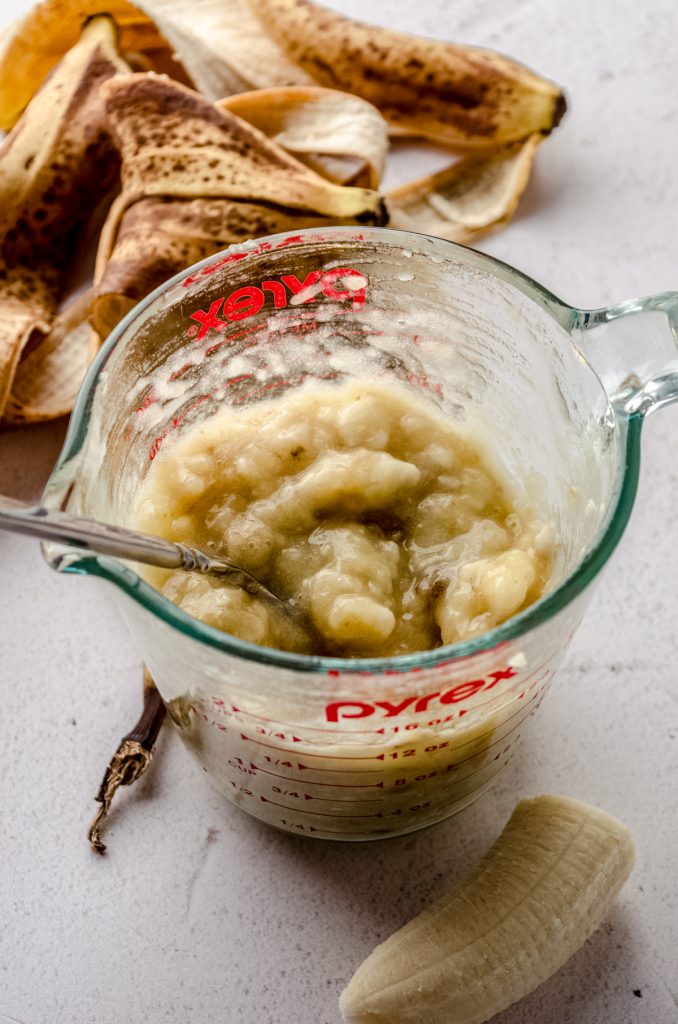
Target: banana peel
[[342, 137], [158, 237], [174, 142], [34, 44], [221, 40], [222, 47], [458, 95], [194, 179], [53, 167], [467, 200], [49, 374], [461, 96]]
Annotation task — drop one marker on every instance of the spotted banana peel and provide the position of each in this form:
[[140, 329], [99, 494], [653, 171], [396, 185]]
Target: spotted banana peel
[[54, 167], [164, 221], [33, 45], [459, 95], [194, 179], [462, 96], [340, 136]]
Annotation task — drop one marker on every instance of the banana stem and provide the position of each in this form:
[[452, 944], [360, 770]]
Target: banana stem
[[130, 760]]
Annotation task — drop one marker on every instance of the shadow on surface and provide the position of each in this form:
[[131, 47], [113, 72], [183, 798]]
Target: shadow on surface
[[379, 885], [27, 455]]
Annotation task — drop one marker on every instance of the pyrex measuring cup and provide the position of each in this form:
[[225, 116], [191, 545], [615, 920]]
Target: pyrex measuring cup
[[358, 749]]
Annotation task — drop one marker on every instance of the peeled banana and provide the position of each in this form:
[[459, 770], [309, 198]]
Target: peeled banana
[[541, 891]]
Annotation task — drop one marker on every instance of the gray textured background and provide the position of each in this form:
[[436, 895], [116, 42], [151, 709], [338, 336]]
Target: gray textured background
[[200, 914]]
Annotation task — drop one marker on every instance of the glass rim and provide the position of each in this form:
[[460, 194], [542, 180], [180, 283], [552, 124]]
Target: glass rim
[[136, 588]]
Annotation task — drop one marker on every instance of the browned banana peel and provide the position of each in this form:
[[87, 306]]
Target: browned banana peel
[[34, 44], [468, 199], [193, 180], [340, 136], [158, 237], [462, 96], [54, 166], [49, 375], [220, 39], [174, 143]]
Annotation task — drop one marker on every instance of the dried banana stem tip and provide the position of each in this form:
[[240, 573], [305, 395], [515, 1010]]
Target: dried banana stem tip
[[379, 216], [559, 112]]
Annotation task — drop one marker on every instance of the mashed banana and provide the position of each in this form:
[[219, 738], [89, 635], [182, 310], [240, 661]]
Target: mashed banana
[[363, 503]]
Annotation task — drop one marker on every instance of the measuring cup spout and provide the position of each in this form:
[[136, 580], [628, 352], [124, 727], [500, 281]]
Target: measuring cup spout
[[633, 347]]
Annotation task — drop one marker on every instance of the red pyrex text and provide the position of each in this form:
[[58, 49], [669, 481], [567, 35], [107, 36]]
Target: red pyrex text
[[341, 710], [247, 301]]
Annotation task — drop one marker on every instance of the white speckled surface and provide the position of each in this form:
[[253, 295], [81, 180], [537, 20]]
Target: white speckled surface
[[200, 915]]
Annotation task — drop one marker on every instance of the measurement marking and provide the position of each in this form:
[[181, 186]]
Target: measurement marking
[[498, 768], [307, 753], [382, 757], [345, 785], [488, 764], [503, 736], [335, 800], [291, 725], [341, 771], [377, 785], [476, 739], [233, 337], [521, 684], [336, 832], [339, 785], [321, 814]]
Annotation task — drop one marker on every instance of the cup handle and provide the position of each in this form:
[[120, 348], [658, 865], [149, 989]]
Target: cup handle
[[633, 347]]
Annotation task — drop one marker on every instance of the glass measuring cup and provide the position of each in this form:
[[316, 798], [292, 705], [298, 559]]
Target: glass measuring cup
[[359, 749]]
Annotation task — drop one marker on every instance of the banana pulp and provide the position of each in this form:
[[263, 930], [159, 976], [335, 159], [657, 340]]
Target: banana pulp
[[360, 502]]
